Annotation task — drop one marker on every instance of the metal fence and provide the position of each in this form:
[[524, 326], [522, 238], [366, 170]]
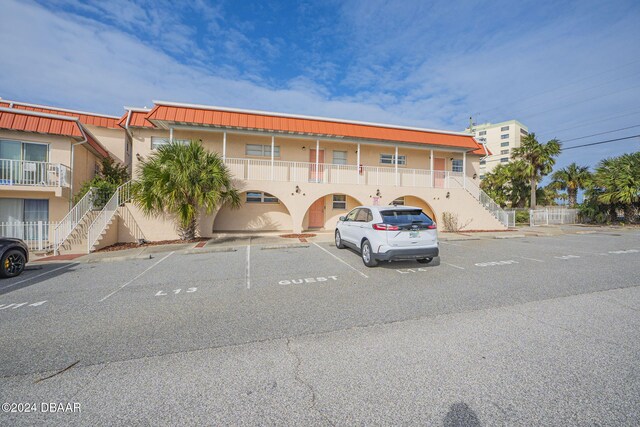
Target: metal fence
[[550, 216], [38, 235]]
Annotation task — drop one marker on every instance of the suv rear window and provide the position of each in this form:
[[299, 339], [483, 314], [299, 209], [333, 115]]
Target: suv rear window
[[405, 217]]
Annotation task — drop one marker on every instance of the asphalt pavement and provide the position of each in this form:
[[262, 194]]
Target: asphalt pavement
[[534, 330]]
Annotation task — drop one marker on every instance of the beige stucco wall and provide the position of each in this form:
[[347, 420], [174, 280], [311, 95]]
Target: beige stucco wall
[[113, 140], [253, 217], [84, 166]]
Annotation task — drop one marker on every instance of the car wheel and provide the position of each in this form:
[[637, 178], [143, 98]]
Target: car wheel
[[367, 255], [425, 260], [12, 263], [339, 243]]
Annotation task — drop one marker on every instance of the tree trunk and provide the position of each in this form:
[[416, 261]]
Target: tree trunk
[[534, 187], [573, 197], [188, 232]]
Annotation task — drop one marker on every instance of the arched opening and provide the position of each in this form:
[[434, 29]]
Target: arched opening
[[417, 202], [259, 211], [324, 212]]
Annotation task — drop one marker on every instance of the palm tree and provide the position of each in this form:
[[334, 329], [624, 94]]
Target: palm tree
[[572, 178], [181, 180], [618, 181], [538, 159]]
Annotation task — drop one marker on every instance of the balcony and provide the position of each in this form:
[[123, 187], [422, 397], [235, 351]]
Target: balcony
[[33, 174], [325, 173]]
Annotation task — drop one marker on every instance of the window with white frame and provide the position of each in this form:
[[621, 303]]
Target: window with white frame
[[398, 202], [258, 150], [482, 133], [504, 151], [504, 136], [524, 132], [483, 162], [504, 160], [159, 141], [504, 144], [339, 157], [339, 201], [503, 128], [390, 159], [481, 176], [456, 165], [260, 197]]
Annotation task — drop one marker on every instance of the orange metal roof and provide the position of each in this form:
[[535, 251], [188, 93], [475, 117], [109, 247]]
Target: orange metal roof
[[84, 117], [138, 119], [13, 119], [38, 122], [202, 115]]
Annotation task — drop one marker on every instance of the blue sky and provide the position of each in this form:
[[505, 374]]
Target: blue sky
[[565, 69]]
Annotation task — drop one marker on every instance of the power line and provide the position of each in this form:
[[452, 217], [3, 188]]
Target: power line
[[579, 124], [600, 142], [601, 133]]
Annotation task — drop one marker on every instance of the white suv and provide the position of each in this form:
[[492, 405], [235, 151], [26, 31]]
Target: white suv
[[386, 233]]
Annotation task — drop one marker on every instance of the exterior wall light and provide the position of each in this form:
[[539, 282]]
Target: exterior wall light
[[448, 194], [378, 192], [297, 189]]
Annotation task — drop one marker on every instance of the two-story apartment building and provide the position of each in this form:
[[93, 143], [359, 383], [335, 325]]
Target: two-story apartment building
[[296, 173], [46, 154]]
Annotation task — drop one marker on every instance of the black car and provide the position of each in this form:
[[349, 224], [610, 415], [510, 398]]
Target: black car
[[14, 254]]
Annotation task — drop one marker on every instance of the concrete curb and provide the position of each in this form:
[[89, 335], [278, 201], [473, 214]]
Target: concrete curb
[[118, 258], [206, 250], [513, 236], [294, 245]]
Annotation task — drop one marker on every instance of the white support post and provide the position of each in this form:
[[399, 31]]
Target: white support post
[[432, 173], [170, 134], [358, 165], [396, 158], [317, 160], [40, 236], [464, 169], [273, 143], [224, 146]]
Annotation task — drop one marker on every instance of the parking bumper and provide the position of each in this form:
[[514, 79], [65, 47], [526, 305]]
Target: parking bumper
[[411, 253]]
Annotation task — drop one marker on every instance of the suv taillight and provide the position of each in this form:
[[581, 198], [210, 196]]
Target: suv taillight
[[385, 227], [432, 226]]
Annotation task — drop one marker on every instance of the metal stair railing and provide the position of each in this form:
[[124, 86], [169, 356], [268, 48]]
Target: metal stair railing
[[489, 204], [119, 197], [71, 220]]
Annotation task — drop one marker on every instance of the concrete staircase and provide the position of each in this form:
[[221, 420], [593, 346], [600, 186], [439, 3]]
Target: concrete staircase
[[76, 243]]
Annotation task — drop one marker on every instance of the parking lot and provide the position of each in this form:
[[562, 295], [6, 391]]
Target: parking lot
[[266, 307]]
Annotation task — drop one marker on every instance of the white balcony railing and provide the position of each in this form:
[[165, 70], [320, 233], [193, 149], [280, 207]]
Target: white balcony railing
[[42, 174], [325, 173]]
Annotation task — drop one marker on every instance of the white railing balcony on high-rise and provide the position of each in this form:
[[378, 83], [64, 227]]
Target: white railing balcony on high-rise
[[31, 173], [326, 173]]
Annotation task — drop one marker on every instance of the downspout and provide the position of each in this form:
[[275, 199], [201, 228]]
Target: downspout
[[73, 146]]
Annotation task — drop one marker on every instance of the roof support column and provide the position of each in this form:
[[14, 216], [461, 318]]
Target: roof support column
[[464, 169], [432, 174], [224, 146], [273, 144], [317, 176], [396, 159], [358, 164], [171, 135]]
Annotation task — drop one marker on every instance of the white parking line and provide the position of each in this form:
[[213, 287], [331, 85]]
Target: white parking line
[[454, 266], [530, 259], [342, 261], [139, 275], [249, 265], [38, 275]]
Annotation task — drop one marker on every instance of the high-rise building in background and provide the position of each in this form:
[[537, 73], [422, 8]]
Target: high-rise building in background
[[500, 139]]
